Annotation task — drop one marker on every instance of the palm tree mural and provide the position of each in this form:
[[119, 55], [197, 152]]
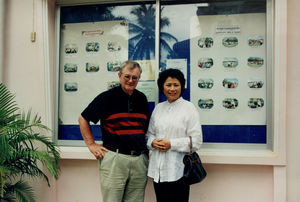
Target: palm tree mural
[[142, 44]]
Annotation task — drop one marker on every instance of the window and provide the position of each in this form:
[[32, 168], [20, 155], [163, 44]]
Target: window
[[94, 41], [222, 47]]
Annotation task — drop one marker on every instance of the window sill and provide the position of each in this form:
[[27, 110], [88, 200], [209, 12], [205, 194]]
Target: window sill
[[76, 153], [243, 157], [210, 156]]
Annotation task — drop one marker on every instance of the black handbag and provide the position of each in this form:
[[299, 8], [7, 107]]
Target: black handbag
[[193, 169]]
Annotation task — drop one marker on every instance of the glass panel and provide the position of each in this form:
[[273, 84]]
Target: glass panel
[[94, 41], [221, 48]]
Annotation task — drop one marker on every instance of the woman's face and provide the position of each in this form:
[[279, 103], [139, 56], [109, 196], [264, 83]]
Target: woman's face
[[172, 89]]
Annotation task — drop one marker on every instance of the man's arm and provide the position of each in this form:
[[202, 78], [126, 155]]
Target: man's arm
[[85, 129]]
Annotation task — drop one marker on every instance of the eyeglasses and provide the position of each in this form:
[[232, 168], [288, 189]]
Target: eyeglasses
[[128, 77]]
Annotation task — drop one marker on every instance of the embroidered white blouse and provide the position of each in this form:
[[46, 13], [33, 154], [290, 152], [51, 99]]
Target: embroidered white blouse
[[175, 121]]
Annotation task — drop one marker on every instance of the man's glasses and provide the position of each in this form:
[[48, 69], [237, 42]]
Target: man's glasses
[[128, 77]]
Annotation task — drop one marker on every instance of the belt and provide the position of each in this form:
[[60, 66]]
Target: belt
[[126, 152]]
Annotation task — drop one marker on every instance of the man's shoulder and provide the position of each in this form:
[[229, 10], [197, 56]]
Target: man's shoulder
[[104, 95], [139, 93], [111, 91]]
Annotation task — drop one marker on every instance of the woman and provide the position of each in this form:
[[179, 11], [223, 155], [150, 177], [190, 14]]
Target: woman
[[171, 124]]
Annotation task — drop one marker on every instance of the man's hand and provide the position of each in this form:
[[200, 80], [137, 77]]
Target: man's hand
[[97, 150], [161, 144]]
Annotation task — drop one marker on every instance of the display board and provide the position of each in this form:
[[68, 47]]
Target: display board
[[88, 63], [228, 68], [91, 54]]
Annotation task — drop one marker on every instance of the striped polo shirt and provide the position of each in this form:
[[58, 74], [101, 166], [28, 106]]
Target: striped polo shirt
[[124, 119]]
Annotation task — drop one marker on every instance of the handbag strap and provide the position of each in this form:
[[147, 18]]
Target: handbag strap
[[191, 144]]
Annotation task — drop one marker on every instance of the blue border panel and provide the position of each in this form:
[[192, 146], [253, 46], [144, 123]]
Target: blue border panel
[[234, 134], [211, 134], [72, 132], [151, 106]]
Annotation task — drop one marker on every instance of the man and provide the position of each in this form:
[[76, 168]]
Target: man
[[123, 158]]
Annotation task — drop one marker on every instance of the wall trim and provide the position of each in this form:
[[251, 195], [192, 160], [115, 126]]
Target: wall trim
[[279, 176], [2, 28], [47, 75]]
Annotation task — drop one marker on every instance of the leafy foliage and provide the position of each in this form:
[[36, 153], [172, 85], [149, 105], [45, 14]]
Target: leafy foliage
[[23, 149]]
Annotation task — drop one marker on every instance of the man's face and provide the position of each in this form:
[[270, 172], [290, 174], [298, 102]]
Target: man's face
[[129, 79]]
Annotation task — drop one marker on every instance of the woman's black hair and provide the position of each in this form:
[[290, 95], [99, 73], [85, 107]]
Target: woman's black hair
[[173, 73]]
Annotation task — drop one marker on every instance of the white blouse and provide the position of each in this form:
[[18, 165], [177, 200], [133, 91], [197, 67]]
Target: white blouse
[[175, 121]]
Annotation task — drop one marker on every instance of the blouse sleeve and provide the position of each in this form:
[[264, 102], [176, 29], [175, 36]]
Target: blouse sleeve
[[193, 129], [151, 134]]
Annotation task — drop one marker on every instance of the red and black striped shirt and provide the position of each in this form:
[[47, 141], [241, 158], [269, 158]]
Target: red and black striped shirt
[[124, 119]]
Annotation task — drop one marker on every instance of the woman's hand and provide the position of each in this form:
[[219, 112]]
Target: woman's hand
[[161, 144]]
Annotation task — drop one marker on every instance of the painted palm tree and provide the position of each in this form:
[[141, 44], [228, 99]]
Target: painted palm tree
[[23, 149], [142, 44]]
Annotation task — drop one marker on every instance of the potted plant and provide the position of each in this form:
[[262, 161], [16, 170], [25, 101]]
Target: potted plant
[[24, 148]]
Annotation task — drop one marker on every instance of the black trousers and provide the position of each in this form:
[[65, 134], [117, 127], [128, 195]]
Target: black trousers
[[176, 191]]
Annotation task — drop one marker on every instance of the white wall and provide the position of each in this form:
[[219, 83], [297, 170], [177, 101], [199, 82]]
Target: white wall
[[293, 100], [23, 60], [226, 183], [24, 74]]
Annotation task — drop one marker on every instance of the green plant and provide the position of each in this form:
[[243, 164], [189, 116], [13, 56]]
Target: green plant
[[23, 150]]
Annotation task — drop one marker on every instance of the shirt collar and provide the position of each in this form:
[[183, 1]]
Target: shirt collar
[[180, 99], [125, 94]]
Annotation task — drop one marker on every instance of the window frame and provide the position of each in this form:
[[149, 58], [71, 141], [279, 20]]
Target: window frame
[[218, 153]]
